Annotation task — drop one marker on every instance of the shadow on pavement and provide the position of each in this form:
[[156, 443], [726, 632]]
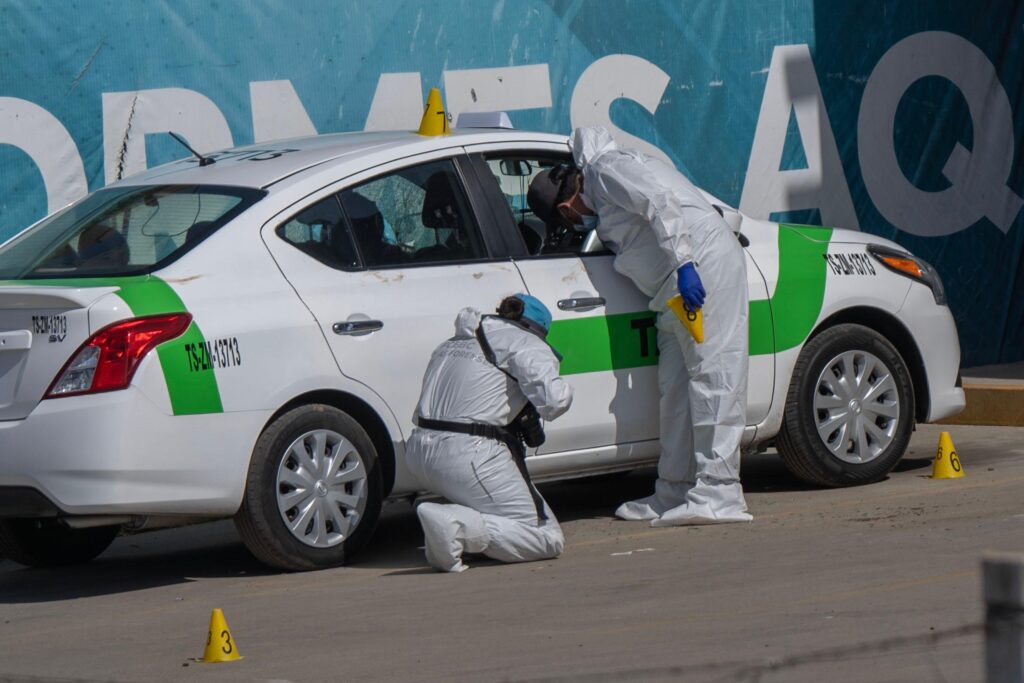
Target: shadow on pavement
[[213, 550], [911, 464], [138, 562]]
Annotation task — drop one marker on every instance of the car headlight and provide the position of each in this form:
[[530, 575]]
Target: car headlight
[[910, 266]]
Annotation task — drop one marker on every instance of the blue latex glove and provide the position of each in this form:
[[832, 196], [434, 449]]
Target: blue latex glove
[[690, 287]]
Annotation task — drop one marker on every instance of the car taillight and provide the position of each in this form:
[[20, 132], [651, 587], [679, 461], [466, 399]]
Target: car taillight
[[108, 359]]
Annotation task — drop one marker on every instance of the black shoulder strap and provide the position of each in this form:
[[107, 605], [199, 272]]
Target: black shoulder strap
[[485, 346]]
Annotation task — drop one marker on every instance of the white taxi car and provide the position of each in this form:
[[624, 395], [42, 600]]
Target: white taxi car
[[245, 335]]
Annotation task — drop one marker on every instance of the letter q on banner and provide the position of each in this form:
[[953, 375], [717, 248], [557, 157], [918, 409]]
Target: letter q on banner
[[977, 176]]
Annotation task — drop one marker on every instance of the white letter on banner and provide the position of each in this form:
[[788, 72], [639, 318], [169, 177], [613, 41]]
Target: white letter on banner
[[611, 78], [397, 102], [277, 112], [129, 116], [44, 139], [502, 89], [793, 86], [978, 176]]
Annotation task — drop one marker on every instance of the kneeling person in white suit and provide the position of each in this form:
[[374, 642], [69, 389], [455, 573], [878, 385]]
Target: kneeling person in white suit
[[467, 446]]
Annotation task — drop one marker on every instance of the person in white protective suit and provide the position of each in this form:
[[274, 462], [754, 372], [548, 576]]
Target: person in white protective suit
[[667, 239], [477, 384]]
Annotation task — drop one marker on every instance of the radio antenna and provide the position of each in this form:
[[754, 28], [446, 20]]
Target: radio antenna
[[203, 161]]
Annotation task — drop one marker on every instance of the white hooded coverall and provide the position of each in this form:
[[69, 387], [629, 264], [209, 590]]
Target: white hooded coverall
[[655, 220], [493, 510]]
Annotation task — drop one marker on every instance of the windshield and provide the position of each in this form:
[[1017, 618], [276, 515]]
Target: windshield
[[122, 231]]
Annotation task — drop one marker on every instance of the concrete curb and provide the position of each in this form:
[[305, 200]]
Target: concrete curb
[[992, 403]]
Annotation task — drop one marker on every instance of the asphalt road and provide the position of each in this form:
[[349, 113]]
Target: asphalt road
[[877, 583]]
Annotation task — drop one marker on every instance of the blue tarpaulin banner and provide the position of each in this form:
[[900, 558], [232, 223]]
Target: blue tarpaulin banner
[[900, 118]]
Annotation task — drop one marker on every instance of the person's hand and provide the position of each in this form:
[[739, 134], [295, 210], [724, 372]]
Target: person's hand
[[690, 287]]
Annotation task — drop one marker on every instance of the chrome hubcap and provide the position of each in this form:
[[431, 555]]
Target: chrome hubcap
[[321, 488], [856, 406]]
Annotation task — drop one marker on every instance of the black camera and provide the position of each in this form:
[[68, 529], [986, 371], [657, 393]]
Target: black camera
[[528, 426]]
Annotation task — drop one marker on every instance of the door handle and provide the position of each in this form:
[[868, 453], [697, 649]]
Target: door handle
[[357, 327], [580, 303]]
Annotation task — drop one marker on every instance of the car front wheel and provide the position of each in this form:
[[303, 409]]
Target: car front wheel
[[850, 409], [313, 492]]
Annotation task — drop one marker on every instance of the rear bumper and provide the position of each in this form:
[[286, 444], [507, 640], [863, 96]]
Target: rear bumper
[[934, 330], [24, 501], [117, 453]]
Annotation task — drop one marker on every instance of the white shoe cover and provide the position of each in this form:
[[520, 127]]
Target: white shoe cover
[[448, 532], [693, 515], [637, 510]]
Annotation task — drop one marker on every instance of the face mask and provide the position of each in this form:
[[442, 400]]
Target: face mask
[[589, 223]]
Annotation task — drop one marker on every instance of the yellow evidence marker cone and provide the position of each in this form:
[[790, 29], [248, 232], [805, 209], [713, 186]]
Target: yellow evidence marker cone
[[692, 320], [435, 118], [947, 463], [220, 646]]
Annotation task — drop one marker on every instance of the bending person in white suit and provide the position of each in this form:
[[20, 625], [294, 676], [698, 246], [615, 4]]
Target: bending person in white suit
[[482, 393], [667, 239]]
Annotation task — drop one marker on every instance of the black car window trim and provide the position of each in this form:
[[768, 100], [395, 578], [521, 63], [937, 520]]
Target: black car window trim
[[495, 254], [504, 216], [336, 196], [462, 186]]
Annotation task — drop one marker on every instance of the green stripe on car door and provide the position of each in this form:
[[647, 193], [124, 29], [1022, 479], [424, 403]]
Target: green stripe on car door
[[607, 342], [628, 340]]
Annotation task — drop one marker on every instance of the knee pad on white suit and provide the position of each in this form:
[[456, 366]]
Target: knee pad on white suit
[[515, 541], [448, 532]]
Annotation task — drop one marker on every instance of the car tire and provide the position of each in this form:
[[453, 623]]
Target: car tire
[[51, 543], [314, 490], [849, 411]]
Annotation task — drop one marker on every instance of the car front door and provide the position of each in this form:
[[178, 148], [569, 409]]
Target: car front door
[[384, 264], [601, 324]]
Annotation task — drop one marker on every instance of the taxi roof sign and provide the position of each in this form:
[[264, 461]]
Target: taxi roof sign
[[484, 119]]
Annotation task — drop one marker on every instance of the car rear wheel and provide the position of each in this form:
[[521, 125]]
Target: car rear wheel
[[51, 543], [849, 411], [313, 492]]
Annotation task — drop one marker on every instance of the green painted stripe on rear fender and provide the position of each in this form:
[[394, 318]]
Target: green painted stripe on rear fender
[[628, 340], [191, 393]]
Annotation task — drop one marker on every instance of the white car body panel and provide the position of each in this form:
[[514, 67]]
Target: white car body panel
[[128, 452]]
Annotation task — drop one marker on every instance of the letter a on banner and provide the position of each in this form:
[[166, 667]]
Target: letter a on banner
[[793, 87]]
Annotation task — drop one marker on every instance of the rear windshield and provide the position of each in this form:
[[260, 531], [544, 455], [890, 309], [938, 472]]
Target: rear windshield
[[122, 231]]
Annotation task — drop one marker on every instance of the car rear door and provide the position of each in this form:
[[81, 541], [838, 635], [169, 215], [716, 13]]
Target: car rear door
[[601, 324], [385, 261]]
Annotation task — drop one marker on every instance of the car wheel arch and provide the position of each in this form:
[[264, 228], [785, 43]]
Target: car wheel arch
[[889, 326], [364, 414]]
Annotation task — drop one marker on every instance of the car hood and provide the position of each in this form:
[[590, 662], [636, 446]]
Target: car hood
[[843, 236]]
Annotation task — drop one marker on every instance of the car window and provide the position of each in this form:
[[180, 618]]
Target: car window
[[122, 231], [416, 215], [321, 232], [514, 172]]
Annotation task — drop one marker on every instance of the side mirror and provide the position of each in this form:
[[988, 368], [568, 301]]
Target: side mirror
[[734, 219]]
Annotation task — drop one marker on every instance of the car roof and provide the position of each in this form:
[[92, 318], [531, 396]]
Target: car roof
[[261, 165]]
